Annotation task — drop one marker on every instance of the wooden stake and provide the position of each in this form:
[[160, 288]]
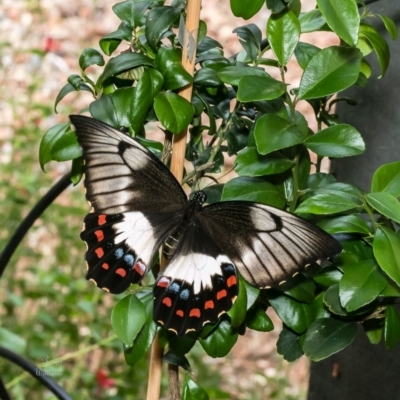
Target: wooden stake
[[177, 162]]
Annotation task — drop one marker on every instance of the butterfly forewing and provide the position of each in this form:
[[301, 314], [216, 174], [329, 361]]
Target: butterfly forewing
[[267, 245]]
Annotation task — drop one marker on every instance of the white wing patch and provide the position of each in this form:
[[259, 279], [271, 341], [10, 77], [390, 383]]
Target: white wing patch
[[196, 269], [137, 232]]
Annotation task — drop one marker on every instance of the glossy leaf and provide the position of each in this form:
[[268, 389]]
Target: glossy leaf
[[122, 63], [389, 25], [90, 57], [145, 337], [345, 224], [48, 141], [276, 6], [192, 391], [387, 179], [361, 284], [283, 32], [342, 17], [304, 52], [312, 21], [392, 327], [337, 141], [328, 203], [275, 133], [297, 316], [250, 38], [173, 111], [246, 8], [257, 88], [258, 320], [233, 74], [110, 42], [128, 318], [330, 71], [386, 204], [299, 288], [68, 88], [386, 248], [66, 147], [220, 341], [327, 336], [159, 21], [332, 301], [253, 189], [239, 308], [289, 346], [328, 276], [250, 163]]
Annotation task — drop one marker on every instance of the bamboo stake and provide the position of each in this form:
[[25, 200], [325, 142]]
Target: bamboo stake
[[177, 162]]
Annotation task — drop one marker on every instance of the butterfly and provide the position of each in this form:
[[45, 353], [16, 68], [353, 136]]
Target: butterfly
[[139, 207]]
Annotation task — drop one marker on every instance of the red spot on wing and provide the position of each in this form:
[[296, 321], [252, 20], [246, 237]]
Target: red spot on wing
[[99, 252], [140, 267], [167, 301], [209, 304], [121, 272], [99, 235], [163, 282], [105, 266], [231, 281], [102, 219], [179, 313], [221, 294], [195, 312]]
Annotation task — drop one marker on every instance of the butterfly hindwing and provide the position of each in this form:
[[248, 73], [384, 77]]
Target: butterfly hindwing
[[267, 245], [199, 284]]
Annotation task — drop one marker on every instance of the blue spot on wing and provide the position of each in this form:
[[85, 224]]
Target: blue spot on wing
[[174, 287], [129, 259], [185, 294], [119, 253]]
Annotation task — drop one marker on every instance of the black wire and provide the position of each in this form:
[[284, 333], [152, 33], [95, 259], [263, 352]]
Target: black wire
[[28, 221], [36, 372], [3, 392]]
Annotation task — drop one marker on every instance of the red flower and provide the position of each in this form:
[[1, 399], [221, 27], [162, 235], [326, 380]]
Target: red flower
[[102, 380]]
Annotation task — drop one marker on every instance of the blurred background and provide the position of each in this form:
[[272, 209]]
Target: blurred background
[[47, 308]]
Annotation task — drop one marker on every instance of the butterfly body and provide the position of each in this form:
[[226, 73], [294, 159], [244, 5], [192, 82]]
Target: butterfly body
[[138, 207]]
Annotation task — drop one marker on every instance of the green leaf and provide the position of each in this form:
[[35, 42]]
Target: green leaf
[[176, 359], [328, 276], [299, 288], [12, 341], [345, 224], [337, 141], [389, 25], [276, 6], [257, 88], [379, 45], [250, 38], [332, 301], [176, 77], [192, 391], [253, 189], [159, 21], [289, 346], [68, 88], [297, 316], [123, 62], [128, 318], [233, 74], [342, 17], [66, 147], [220, 342], [246, 8], [283, 32], [145, 337], [110, 42], [90, 57], [330, 71], [328, 203], [77, 170], [275, 133], [258, 320], [239, 308], [48, 141], [250, 163], [386, 204], [392, 327], [304, 52], [386, 248], [312, 21], [141, 101], [327, 336], [130, 11], [361, 284], [387, 179]]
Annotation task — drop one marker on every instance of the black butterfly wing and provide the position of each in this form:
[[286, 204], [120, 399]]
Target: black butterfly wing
[[198, 285], [267, 245], [135, 203]]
